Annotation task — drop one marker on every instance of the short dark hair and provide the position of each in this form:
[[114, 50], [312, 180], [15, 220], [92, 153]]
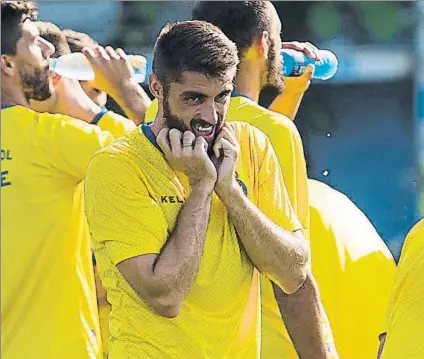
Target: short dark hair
[[241, 21], [13, 14], [54, 35], [78, 40], [192, 46]]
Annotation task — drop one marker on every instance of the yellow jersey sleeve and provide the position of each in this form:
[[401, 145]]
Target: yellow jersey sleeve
[[122, 216], [116, 124], [74, 143], [405, 317]]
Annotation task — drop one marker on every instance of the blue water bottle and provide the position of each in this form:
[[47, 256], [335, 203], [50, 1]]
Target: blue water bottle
[[295, 62]]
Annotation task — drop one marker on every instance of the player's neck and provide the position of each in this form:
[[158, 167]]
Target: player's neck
[[158, 123], [12, 96], [49, 105], [248, 80]]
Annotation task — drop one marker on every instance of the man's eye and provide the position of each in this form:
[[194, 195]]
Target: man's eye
[[194, 99], [223, 96]]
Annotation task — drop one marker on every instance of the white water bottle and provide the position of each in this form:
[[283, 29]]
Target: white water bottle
[[76, 66]]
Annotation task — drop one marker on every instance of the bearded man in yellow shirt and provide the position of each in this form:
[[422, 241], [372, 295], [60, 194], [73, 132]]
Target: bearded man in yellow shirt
[[184, 210], [81, 94], [350, 261], [48, 302], [70, 91], [257, 28]]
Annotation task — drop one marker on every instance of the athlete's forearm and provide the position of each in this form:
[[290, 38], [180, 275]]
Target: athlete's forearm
[[133, 100], [305, 321], [287, 103], [277, 253], [116, 124], [74, 102], [179, 260]]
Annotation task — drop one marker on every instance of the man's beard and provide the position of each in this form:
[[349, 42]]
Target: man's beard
[[172, 121], [36, 85], [274, 80]]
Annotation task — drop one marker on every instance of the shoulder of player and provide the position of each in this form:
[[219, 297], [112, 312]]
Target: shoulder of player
[[414, 240], [74, 127], [260, 117], [114, 161], [249, 134], [57, 121], [330, 204], [246, 129], [245, 106], [321, 195], [124, 147], [280, 122], [411, 262], [45, 123], [417, 229]]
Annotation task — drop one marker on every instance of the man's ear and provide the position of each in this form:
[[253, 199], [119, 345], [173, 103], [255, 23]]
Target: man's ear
[[155, 86], [263, 44], [259, 48], [7, 66]]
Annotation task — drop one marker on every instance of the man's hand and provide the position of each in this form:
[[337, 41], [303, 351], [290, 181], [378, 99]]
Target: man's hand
[[299, 84], [113, 75], [187, 154], [287, 103], [111, 68], [309, 49], [225, 154]]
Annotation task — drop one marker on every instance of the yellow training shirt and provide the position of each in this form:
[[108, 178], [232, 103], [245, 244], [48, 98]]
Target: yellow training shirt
[[285, 140], [405, 316], [132, 202], [287, 144], [353, 268], [48, 298]]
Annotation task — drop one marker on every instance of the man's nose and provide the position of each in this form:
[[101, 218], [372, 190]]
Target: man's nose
[[209, 113]]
